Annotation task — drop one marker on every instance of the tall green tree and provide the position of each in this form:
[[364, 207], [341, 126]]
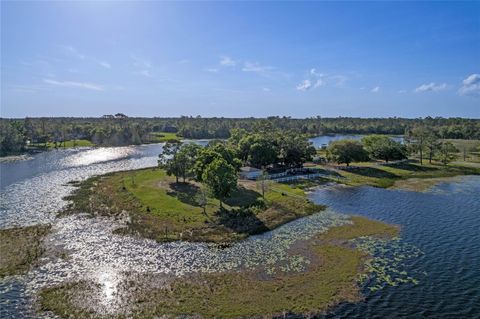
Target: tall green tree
[[186, 158], [416, 139], [221, 179], [169, 160], [212, 152], [384, 148], [447, 152], [295, 149], [346, 151]]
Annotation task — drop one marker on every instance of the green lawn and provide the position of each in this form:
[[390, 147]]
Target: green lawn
[[164, 210], [160, 137], [387, 176], [68, 144]]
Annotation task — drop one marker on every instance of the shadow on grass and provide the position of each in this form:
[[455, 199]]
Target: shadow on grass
[[372, 172], [243, 197], [187, 193], [414, 167], [241, 221]]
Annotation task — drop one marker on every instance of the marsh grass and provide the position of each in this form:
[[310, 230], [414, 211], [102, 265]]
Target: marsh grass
[[20, 247], [330, 278]]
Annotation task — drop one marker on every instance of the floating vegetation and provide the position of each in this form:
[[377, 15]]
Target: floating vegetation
[[388, 264]]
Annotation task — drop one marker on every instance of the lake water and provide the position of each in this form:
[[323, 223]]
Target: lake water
[[438, 250]]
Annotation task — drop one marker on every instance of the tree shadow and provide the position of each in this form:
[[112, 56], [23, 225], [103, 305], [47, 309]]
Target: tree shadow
[[372, 172], [241, 220], [243, 197], [413, 168], [185, 192]]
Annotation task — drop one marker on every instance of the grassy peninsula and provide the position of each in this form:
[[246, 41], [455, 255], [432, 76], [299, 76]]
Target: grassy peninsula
[[405, 175], [162, 209]]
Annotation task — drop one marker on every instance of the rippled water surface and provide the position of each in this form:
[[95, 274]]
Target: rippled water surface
[[444, 223], [438, 273]]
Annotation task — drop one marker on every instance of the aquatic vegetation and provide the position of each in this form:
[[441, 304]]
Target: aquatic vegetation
[[388, 263], [303, 267], [20, 247]]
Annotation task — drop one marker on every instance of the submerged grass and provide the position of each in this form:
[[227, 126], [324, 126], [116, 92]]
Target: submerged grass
[[161, 209], [331, 278], [20, 247]]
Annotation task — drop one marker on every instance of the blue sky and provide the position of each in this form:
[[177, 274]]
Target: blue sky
[[371, 59]]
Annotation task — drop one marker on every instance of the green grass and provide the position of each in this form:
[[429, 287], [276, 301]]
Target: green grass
[[387, 176], [159, 137], [472, 148], [331, 278], [164, 210], [68, 144], [20, 248]]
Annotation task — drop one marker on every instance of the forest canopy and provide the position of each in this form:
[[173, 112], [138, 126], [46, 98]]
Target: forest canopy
[[119, 129]]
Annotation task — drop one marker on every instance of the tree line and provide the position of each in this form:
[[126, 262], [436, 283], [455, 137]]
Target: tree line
[[420, 141], [119, 129]]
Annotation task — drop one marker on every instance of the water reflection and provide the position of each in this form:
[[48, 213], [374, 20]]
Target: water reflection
[[99, 155]]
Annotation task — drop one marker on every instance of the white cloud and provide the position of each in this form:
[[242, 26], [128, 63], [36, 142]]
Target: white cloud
[[431, 87], [255, 67], [212, 70], [105, 64], [141, 63], [471, 85], [375, 89], [73, 51], [72, 84], [143, 66], [146, 73], [402, 91], [227, 61], [305, 85], [266, 90], [319, 83]]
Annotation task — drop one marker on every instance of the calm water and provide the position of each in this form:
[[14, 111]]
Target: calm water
[[324, 140], [443, 224]]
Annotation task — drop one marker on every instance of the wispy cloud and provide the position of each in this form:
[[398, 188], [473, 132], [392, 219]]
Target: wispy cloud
[[471, 85], [143, 66], [145, 73], [73, 84], [256, 67], [141, 63], [105, 64], [212, 70], [375, 89], [402, 91], [305, 85], [315, 79], [266, 89], [431, 87], [227, 61], [70, 50]]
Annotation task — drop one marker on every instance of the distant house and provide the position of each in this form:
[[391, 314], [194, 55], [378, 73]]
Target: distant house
[[248, 172]]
